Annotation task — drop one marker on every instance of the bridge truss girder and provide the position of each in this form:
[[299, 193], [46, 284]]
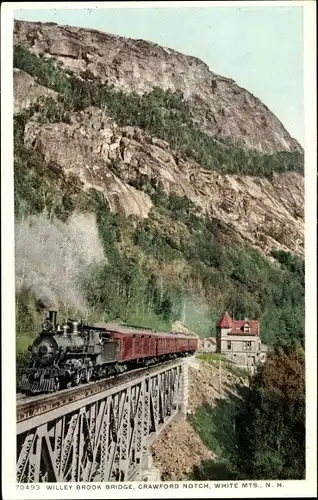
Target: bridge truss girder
[[105, 437]]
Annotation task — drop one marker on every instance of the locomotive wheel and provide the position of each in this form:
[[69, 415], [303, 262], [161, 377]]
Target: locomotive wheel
[[77, 378], [88, 372], [56, 384]]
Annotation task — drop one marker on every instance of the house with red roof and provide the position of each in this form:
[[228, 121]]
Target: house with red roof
[[240, 340]]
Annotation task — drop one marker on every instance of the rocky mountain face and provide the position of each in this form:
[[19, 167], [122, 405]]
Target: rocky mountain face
[[183, 194], [220, 107], [267, 214]]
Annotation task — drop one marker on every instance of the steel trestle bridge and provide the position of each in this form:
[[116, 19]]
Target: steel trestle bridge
[[100, 431]]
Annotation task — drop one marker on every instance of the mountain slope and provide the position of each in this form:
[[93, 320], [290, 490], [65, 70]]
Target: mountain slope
[[267, 214], [183, 214], [227, 111]]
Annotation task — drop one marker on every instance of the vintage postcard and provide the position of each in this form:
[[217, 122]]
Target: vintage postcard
[[158, 249]]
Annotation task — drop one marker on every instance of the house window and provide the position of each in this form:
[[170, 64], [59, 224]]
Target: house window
[[246, 329], [229, 344], [247, 346]]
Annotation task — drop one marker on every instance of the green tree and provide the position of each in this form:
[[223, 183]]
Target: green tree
[[270, 426], [258, 432]]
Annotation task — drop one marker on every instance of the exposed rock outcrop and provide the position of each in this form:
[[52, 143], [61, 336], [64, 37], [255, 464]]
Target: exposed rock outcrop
[[27, 91], [266, 213], [220, 107]]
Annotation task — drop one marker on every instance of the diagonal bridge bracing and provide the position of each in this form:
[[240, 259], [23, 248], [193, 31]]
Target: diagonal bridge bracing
[[104, 436]]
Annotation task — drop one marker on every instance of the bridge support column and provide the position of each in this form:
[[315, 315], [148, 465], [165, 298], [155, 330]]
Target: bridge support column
[[184, 392], [148, 470]]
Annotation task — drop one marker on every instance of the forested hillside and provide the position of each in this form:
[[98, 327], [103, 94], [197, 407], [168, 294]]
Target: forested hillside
[[178, 263]]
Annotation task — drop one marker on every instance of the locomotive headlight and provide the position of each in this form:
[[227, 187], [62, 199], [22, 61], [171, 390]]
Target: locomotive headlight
[[45, 348]]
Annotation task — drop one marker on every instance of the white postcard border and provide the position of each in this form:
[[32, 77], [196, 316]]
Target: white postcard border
[[292, 489]]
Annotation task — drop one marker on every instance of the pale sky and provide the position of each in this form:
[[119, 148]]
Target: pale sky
[[261, 48]]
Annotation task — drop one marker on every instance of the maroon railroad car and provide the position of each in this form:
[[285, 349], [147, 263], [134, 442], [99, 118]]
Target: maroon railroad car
[[138, 344]]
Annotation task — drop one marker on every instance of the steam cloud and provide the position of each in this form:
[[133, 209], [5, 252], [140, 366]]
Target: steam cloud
[[50, 255], [197, 315]]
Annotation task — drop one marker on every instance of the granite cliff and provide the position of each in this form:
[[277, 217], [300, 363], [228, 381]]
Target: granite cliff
[[220, 107], [125, 160]]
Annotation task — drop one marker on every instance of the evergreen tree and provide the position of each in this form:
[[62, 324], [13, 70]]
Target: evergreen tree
[[270, 426]]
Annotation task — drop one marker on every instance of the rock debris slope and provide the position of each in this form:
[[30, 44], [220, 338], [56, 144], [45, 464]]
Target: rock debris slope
[[181, 436]]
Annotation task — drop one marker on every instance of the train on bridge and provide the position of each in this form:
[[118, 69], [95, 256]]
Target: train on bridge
[[73, 353]]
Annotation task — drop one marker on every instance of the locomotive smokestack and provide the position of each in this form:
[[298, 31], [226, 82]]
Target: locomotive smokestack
[[52, 318]]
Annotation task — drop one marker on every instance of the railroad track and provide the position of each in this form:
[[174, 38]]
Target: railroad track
[[30, 406], [19, 396]]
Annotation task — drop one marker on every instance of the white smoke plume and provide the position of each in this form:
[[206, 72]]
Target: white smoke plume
[[51, 255], [197, 315]]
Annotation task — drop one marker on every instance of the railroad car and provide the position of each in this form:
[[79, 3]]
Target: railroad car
[[75, 352]]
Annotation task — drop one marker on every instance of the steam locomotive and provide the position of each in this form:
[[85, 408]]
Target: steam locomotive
[[72, 353]]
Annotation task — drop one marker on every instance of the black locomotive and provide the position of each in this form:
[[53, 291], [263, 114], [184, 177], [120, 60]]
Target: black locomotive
[[68, 354]]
